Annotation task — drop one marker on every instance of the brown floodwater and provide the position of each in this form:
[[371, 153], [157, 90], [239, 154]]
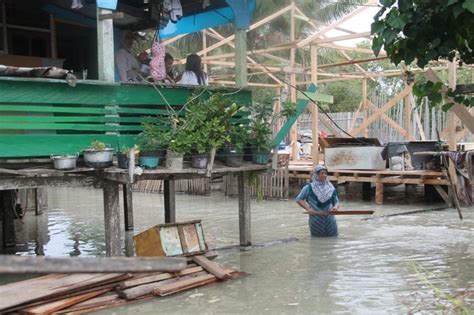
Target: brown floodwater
[[379, 265]]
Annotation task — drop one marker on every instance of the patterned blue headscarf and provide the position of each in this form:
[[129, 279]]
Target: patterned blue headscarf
[[322, 189]]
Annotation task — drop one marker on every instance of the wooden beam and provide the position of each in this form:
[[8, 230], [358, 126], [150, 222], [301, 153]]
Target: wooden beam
[[249, 83], [170, 201], [293, 93], [37, 264], [245, 230], [391, 122], [351, 49], [460, 110], [314, 108], [416, 118], [112, 219], [252, 27], [382, 110], [105, 46], [232, 64], [240, 58], [333, 25], [350, 62], [173, 39], [128, 206], [365, 109], [342, 37], [339, 50], [264, 68], [315, 96]]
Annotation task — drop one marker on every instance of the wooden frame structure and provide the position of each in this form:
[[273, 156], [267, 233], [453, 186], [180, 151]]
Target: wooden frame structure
[[300, 75]]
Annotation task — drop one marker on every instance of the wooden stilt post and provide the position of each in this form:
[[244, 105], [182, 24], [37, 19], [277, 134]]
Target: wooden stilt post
[[7, 206], [314, 107], [105, 46], [112, 219], [244, 210], [366, 195], [451, 124], [128, 206], [378, 190], [40, 200], [170, 201]]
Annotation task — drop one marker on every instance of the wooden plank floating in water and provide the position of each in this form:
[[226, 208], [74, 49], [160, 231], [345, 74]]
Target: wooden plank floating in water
[[211, 267], [18, 265], [52, 287], [51, 307], [343, 212]]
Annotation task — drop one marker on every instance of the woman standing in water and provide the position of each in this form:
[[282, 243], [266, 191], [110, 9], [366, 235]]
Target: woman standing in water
[[320, 195]]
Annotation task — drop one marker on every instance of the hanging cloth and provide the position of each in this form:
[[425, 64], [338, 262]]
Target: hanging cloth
[[157, 63], [76, 4], [176, 11]]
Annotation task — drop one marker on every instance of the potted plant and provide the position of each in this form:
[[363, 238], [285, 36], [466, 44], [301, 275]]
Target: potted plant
[[234, 151], [122, 156], [260, 141], [208, 124], [262, 128], [98, 155], [153, 141], [179, 145]]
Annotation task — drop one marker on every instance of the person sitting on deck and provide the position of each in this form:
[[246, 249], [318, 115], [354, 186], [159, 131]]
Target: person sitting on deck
[[320, 195], [171, 75], [125, 61], [194, 74]]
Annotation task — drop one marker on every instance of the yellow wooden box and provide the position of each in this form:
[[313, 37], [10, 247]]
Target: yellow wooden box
[[171, 239]]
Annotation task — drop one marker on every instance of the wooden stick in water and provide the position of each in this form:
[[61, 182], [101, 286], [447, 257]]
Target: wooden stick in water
[[342, 212]]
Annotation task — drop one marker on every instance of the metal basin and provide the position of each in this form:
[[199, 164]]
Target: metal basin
[[64, 162]]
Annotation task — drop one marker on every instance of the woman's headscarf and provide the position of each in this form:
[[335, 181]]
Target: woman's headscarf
[[322, 189]]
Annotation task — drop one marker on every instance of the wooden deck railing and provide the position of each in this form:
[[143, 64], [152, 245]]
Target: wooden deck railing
[[41, 117]]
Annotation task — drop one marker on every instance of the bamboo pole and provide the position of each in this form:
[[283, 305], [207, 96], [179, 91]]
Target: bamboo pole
[[365, 108], [314, 107], [293, 97], [264, 68], [313, 37], [204, 46], [408, 109]]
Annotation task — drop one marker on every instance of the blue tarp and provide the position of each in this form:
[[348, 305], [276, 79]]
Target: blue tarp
[[238, 12], [107, 4]]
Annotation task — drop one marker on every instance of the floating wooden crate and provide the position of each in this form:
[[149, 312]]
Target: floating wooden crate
[[171, 239]]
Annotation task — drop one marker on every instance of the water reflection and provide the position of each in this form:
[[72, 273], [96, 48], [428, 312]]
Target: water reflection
[[368, 269]]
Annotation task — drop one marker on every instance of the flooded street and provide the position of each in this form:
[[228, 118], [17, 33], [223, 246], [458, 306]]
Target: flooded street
[[368, 269]]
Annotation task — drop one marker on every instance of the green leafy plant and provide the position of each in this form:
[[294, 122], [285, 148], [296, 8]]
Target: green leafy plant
[[422, 31], [208, 122], [97, 146], [239, 137], [156, 134], [263, 122]]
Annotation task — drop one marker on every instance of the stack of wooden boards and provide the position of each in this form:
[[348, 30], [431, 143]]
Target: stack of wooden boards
[[83, 293], [177, 254]]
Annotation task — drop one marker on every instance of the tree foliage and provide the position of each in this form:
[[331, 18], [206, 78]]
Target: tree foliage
[[425, 30], [422, 31]]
